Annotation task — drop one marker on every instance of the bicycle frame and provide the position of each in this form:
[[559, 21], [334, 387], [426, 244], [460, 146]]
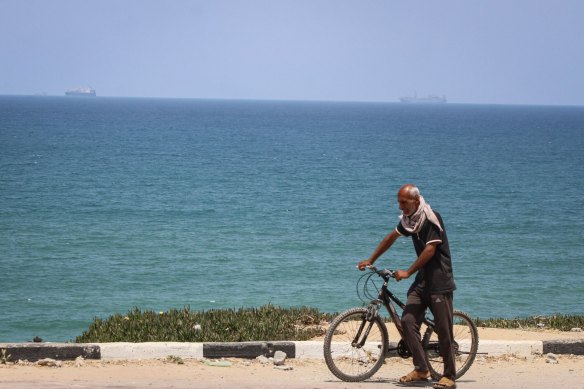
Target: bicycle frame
[[386, 297]]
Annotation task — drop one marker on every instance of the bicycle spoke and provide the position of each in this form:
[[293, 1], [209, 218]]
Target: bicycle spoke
[[465, 346], [346, 358]]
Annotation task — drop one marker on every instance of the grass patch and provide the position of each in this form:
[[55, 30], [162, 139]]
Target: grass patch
[[4, 358], [267, 322], [555, 322]]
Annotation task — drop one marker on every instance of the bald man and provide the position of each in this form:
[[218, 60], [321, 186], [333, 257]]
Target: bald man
[[433, 286]]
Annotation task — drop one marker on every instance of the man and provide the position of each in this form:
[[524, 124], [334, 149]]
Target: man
[[432, 287]]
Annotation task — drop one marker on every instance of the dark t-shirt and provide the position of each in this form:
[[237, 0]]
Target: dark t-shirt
[[436, 275]]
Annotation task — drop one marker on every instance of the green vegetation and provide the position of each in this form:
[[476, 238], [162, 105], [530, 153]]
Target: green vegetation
[[267, 322], [4, 358], [175, 359], [556, 322]]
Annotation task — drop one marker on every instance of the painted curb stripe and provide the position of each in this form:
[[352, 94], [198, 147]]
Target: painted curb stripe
[[247, 349], [63, 351], [304, 350], [575, 347]]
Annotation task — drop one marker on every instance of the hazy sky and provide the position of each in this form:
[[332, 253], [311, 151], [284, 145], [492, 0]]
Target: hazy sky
[[491, 51]]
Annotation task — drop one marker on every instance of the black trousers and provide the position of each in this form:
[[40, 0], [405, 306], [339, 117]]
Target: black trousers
[[441, 307]]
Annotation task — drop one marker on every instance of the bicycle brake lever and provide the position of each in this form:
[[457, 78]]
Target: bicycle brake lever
[[371, 267]]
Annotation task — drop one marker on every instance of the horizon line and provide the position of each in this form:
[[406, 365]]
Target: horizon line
[[37, 95]]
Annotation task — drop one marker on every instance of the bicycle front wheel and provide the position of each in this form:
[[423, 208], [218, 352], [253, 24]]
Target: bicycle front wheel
[[355, 347], [465, 343]]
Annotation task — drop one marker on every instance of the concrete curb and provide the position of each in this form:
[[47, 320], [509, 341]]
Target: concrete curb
[[575, 347], [299, 350], [150, 350], [248, 349], [57, 351]]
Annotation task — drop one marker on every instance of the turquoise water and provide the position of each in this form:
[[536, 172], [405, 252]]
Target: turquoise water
[[108, 204]]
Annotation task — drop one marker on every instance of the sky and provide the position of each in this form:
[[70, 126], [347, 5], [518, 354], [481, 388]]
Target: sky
[[483, 51]]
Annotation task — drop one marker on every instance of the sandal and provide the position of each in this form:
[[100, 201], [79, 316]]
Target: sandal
[[415, 376], [445, 383]]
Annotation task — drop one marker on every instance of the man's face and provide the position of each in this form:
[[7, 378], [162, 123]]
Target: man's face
[[407, 204]]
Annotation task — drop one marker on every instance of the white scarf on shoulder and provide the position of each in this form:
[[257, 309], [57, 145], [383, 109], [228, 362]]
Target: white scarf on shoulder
[[413, 223]]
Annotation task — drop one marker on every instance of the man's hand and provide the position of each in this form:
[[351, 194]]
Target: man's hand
[[363, 264], [401, 275]]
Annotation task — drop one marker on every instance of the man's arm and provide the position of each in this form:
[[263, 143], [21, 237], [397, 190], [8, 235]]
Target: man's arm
[[424, 257], [382, 247]]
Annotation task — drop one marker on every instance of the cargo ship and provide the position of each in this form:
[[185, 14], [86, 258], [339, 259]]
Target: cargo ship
[[430, 99], [84, 91]]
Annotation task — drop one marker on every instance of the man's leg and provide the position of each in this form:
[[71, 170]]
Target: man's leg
[[412, 317], [441, 306]]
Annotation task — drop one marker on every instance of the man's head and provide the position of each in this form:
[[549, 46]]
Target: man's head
[[408, 198]]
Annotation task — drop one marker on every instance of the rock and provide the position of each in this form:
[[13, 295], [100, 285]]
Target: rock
[[551, 359], [79, 361], [263, 359], [279, 358], [49, 362], [284, 368], [576, 329]]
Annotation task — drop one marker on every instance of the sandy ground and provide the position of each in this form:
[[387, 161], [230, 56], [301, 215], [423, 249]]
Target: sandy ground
[[502, 372]]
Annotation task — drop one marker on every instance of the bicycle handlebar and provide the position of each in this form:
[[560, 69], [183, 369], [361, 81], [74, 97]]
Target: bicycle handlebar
[[383, 272]]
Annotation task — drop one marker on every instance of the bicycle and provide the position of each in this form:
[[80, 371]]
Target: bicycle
[[357, 341]]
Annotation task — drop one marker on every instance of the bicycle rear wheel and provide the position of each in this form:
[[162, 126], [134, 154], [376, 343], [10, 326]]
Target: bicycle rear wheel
[[344, 356], [466, 343]]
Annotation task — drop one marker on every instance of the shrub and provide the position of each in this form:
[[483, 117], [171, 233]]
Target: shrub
[[557, 322], [267, 322]]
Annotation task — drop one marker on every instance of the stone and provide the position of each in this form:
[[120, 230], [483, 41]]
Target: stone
[[263, 359], [284, 368], [79, 361], [576, 329], [279, 358], [551, 359], [49, 362]]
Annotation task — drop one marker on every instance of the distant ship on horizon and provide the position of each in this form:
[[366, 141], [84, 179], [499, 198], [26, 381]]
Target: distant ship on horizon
[[430, 99], [83, 91]]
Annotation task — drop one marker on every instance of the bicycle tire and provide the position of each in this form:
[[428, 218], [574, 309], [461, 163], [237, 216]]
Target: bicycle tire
[[466, 343], [347, 361]]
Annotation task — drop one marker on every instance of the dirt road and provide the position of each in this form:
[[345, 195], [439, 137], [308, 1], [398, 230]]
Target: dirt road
[[503, 372]]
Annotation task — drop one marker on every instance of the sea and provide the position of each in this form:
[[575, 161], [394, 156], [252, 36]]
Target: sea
[[110, 204]]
